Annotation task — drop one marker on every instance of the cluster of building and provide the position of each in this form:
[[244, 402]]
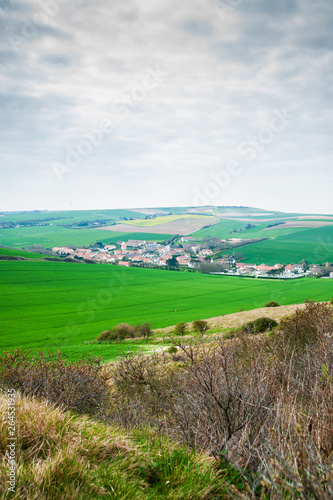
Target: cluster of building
[[135, 251], [278, 270], [150, 252]]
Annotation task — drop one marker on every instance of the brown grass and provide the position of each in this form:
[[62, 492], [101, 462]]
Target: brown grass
[[236, 320]]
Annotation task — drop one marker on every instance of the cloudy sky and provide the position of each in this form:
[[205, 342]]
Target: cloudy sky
[[108, 104]]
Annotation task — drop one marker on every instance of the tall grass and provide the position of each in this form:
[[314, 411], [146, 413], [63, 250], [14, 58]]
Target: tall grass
[[63, 456]]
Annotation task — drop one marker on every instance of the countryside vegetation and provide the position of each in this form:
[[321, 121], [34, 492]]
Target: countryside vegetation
[[245, 415], [135, 383]]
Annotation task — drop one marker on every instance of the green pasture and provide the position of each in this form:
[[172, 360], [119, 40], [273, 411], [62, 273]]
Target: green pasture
[[69, 215], [20, 253], [51, 236], [58, 306], [133, 236], [313, 245], [224, 228]]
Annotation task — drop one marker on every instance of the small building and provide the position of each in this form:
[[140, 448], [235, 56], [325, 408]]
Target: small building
[[231, 261], [185, 239], [205, 252], [135, 243]]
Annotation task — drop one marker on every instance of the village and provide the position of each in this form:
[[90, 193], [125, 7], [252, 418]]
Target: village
[[140, 253]]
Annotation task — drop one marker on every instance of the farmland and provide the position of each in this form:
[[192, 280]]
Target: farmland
[[57, 306], [289, 237], [20, 253], [166, 219], [314, 245], [51, 236], [172, 224]]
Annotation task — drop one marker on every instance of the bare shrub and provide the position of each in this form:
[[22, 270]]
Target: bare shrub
[[81, 386], [200, 326], [124, 331], [106, 335], [144, 330], [220, 397], [306, 328], [143, 390]]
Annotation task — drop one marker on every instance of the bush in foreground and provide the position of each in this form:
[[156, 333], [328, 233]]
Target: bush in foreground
[[272, 303], [81, 386], [124, 331], [180, 329], [260, 325], [262, 404], [200, 326]]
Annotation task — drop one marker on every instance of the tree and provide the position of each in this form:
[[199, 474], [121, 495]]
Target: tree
[[180, 329], [144, 330], [238, 255], [173, 262], [200, 326]]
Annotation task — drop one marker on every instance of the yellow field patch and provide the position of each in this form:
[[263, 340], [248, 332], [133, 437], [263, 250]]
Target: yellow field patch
[[164, 220]]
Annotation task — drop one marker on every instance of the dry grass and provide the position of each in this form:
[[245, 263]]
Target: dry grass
[[237, 320], [61, 456], [56, 451]]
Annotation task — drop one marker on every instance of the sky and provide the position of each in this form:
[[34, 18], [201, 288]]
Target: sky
[[108, 104]]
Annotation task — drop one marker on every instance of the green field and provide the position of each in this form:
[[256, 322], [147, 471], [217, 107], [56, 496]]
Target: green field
[[285, 244], [68, 215], [57, 306], [314, 245], [224, 228], [20, 253], [52, 236]]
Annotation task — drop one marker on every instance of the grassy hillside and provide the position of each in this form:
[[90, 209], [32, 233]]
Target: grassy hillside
[[50, 305], [286, 243], [314, 245], [63, 456], [20, 253], [68, 215], [51, 236]]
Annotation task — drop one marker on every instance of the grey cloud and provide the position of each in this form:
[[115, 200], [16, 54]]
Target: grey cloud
[[224, 79], [199, 27]]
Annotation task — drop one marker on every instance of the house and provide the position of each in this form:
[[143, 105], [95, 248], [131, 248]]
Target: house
[[108, 248], [231, 261], [185, 239], [331, 275], [205, 252], [62, 250], [124, 263], [184, 259], [195, 249], [299, 268], [135, 243], [151, 246]]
